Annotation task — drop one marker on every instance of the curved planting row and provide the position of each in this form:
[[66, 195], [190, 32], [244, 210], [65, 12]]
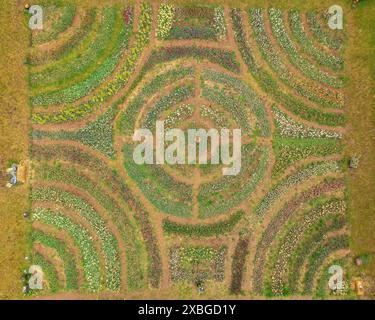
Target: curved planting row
[[55, 21], [318, 94], [69, 263], [287, 127], [321, 56], [82, 239], [309, 70], [306, 246], [40, 59], [221, 57], [155, 85], [50, 274], [218, 117], [203, 230], [119, 217], [316, 259], [301, 229], [108, 241], [180, 114], [320, 34], [112, 182], [235, 95], [77, 78], [220, 196], [162, 190], [300, 176], [178, 95], [270, 86], [49, 73], [289, 151], [121, 77], [97, 134], [278, 222]]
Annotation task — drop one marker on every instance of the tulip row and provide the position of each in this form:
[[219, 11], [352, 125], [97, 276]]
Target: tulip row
[[108, 241], [315, 93], [56, 21], [269, 85], [120, 218], [69, 263], [72, 112], [82, 240]]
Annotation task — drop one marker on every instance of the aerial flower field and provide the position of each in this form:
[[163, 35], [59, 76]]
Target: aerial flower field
[[101, 225]]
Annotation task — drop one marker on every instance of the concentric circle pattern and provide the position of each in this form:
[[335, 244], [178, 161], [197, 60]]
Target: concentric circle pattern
[[104, 224]]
